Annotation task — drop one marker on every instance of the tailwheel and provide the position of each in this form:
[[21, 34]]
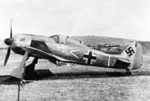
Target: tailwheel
[[129, 72]]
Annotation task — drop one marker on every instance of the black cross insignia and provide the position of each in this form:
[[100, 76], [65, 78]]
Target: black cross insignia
[[130, 51], [89, 57]]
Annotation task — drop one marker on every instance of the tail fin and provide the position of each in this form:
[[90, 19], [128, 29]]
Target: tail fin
[[129, 52], [133, 55]]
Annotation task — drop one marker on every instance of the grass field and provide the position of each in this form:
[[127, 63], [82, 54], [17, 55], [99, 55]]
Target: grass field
[[78, 83]]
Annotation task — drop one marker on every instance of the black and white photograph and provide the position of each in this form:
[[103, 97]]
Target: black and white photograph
[[74, 50]]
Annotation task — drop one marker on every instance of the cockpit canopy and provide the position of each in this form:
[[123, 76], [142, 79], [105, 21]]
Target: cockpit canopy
[[66, 40], [60, 39]]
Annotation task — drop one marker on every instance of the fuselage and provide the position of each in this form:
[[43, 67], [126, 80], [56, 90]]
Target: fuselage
[[71, 50]]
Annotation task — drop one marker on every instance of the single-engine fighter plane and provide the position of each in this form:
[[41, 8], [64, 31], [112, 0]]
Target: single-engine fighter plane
[[59, 48]]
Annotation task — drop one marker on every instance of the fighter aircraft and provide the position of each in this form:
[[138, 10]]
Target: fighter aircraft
[[58, 48]]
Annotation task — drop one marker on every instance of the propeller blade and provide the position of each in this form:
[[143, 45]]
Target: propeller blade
[[8, 42], [7, 56], [11, 28]]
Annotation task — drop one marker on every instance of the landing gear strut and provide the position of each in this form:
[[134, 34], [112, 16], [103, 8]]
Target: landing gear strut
[[29, 73]]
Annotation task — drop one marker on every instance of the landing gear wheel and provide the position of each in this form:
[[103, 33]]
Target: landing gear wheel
[[22, 83]]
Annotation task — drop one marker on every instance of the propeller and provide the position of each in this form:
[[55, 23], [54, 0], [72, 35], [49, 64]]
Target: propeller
[[8, 42]]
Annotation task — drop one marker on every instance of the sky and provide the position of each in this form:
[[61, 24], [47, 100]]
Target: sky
[[111, 18]]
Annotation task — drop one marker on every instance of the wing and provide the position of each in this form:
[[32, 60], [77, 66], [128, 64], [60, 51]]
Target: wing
[[41, 53], [40, 49]]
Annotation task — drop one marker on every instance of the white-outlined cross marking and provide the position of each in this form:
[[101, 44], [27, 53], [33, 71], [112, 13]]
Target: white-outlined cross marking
[[89, 57]]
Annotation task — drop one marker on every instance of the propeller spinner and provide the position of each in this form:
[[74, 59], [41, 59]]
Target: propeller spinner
[[8, 42]]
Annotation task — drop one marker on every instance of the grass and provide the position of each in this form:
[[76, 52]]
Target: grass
[[72, 84]]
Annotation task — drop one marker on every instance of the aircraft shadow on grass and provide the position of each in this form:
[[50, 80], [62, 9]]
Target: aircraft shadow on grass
[[48, 75]]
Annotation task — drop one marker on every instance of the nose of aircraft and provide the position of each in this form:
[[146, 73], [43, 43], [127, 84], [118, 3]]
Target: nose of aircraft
[[7, 41], [138, 57]]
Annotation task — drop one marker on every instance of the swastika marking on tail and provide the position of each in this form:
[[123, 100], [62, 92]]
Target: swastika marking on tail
[[130, 51]]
